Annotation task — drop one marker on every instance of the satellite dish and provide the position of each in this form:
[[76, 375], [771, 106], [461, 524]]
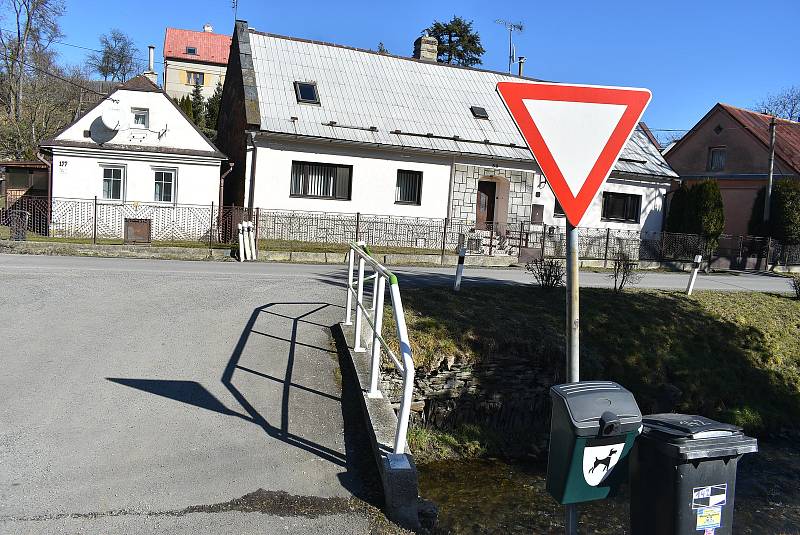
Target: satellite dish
[[112, 117]]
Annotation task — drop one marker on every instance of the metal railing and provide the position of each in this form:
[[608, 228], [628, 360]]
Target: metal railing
[[374, 318]]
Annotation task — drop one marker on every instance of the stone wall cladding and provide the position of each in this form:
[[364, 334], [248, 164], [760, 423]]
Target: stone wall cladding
[[522, 189], [509, 395]]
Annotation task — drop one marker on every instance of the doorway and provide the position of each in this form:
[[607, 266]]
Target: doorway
[[487, 193]]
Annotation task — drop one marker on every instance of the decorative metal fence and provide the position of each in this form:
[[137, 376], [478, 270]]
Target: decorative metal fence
[[96, 219]]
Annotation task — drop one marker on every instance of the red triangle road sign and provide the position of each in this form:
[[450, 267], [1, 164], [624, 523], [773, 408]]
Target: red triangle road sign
[[575, 132]]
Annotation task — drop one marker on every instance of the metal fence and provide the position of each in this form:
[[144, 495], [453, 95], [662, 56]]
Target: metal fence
[[97, 219]]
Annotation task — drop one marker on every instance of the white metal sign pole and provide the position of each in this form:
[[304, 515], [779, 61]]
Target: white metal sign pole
[[573, 345]]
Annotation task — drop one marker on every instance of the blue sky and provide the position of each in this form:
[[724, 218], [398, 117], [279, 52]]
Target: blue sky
[[690, 54]]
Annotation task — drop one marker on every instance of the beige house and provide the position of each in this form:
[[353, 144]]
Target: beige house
[[192, 57]]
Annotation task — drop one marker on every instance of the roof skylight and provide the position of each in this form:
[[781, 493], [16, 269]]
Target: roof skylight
[[306, 92], [478, 112]]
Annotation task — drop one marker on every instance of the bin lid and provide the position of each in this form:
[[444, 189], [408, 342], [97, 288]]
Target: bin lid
[[691, 436], [586, 401]]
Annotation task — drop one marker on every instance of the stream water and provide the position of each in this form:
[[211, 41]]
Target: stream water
[[495, 496]]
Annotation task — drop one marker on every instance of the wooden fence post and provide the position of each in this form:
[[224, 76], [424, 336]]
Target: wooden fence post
[[358, 223], [605, 255]]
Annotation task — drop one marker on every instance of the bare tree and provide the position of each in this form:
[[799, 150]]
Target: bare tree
[[784, 104], [52, 95], [35, 27], [117, 59]]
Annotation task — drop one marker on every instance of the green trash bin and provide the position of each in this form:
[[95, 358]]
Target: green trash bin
[[592, 430], [683, 475]]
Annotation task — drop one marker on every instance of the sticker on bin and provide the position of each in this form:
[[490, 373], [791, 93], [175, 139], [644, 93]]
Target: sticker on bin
[[709, 518], [711, 496], [599, 461]]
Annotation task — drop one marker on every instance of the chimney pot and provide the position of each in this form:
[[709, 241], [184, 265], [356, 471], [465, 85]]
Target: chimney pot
[[208, 28], [426, 48]]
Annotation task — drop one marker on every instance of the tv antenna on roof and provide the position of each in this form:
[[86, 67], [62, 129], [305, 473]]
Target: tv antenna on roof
[[511, 27], [235, 6]]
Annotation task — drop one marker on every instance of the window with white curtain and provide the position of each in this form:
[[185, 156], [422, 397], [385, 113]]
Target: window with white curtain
[[164, 185], [409, 187], [321, 180], [716, 158], [113, 187]]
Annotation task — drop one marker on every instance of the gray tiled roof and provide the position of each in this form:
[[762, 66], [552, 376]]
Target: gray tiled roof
[[372, 96]]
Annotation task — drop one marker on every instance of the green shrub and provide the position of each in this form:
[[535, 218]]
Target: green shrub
[[785, 212], [697, 210], [678, 216]]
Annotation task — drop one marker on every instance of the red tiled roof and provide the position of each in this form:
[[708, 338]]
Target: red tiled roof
[[211, 47], [787, 133]]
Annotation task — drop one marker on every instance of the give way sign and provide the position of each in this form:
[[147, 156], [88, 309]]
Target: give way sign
[[576, 133]]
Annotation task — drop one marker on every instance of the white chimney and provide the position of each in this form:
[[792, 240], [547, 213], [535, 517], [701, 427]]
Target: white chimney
[[208, 28], [151, 73]]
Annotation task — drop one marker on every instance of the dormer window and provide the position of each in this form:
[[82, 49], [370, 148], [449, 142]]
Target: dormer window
[[141, 117], [191, 50], [306, 92]]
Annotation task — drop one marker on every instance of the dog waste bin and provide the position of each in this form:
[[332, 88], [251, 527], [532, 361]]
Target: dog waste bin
[[592, 429], [683, 475]]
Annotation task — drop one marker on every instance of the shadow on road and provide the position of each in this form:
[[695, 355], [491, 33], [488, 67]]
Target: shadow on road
[[361, 474]]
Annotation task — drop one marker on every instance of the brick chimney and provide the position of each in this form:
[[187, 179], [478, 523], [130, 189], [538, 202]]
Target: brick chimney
[[426, 48]]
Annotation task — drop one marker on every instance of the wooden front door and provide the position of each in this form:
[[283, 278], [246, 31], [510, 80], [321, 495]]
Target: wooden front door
[[484, 205]]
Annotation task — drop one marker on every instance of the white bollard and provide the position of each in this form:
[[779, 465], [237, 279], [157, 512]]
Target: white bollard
[[241, 243], [253, 245], [693, 276], [248, 255], [462, 252]]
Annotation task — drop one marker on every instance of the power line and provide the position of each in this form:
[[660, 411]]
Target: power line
[[67, 80], [88, 49]]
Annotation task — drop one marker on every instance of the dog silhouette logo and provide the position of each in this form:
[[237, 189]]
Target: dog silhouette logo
[[599, 462]]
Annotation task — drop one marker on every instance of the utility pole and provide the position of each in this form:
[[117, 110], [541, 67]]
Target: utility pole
[[768, 196], [511, 27]]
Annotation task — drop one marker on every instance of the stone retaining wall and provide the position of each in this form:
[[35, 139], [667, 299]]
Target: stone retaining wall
[[508, 395]]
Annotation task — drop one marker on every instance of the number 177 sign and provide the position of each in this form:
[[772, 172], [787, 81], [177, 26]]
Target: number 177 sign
[[575, 132]]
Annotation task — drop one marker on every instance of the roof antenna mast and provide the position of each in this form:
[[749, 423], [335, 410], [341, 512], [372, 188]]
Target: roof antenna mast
[[511, 27], [235, 7]]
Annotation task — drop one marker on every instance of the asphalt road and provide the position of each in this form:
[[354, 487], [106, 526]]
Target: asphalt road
[[332, 275], [151, 397]]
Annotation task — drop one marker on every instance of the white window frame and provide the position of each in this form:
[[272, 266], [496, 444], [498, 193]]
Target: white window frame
[[174, 172], [134, 112], [123, 182]]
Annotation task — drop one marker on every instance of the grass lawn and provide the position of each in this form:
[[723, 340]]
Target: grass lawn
[[726, 355]]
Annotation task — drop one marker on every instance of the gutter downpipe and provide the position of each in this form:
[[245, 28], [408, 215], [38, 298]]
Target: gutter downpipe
[[250, 200], [42, 159], [448, 215]]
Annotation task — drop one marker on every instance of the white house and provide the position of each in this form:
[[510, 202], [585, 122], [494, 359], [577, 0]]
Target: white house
[[135, 146], [320, 127]]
